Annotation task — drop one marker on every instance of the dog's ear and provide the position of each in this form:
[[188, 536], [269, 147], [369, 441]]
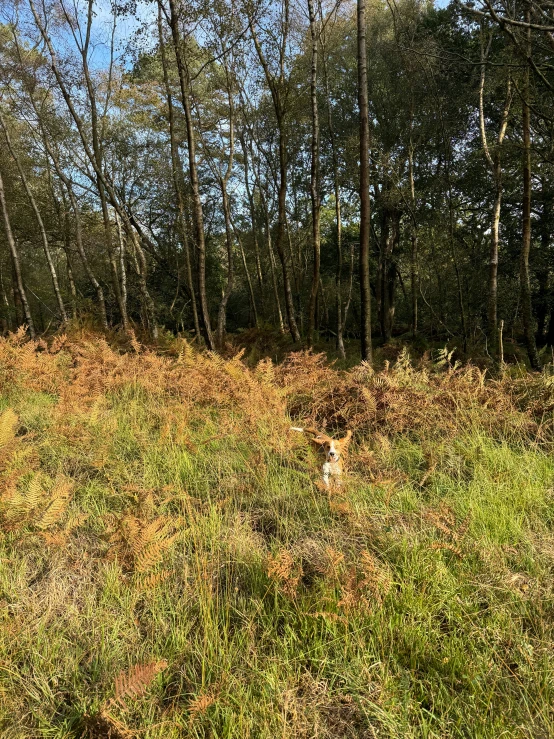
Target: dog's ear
[[318, 438], [345, 441]]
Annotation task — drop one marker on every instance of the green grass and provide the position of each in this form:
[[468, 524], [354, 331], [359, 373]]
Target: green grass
[[416, 602]]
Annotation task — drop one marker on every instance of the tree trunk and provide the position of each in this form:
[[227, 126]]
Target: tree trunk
[[492, 315], [15, 261], [314, 177], [543, 271], [389, 277], [273, 272], [550, 334], [67, 250], [248, 278], [98, 159], [253, 222], [222, 313], [198, 215], [40, 222], [224, 182], [78, 226], [414, 267], [122, 266], [494, 163], [141, 267], [341, 316], [177, 172], [276, 87], [7, 321], [365, 222], [525, 283], [280, 239], [80, 248], [272, 266]]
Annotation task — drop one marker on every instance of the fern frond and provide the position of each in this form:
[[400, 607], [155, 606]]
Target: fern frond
[[437, 545], [59, 500], [201, 704], [151, 581], [152, 554], [131, 533], [136, 680], [34, 494], [57, 539], [154, 531]]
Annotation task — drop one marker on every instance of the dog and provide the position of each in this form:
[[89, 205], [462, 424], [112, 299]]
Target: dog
[[334, 450]]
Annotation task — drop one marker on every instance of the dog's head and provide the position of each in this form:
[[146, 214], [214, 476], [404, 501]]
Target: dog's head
[[333, 449]]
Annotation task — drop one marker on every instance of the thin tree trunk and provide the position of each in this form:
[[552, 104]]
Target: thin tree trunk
[[253, 222], [72, 288], [67, 250], [550, 334], [122, 267], [15, 261], [248, 278], [543, 271], [77, 214], [414, 267], [365, 222], [525, 283], [80, 248], [276, 87], [274, 274], [494, 163], [40, 222], [97, 150], [222, 313], [177, 172], [314, 177], [8, 321], [272, 265], [341, 316], [224, 182], [141, 268], [280, 239], [198, 216]]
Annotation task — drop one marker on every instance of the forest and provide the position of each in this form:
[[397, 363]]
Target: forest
[[276, 456], [335, 172]]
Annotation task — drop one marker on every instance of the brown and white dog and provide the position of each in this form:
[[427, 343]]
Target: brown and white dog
[[334, 450]]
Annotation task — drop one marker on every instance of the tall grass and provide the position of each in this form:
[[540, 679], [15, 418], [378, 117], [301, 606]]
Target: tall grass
[[170, 565]]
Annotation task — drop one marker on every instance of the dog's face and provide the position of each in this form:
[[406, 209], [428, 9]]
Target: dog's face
[[333, 449]]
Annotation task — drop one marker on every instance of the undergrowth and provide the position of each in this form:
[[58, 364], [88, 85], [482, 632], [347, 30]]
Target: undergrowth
[[171, 566]]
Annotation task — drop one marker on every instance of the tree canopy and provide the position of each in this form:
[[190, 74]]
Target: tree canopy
[[200, 167]]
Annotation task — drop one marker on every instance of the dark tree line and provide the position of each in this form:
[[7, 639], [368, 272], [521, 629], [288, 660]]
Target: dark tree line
[[334, 170]]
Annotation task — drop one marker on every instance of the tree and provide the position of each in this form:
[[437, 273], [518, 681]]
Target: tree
[[365, 222]]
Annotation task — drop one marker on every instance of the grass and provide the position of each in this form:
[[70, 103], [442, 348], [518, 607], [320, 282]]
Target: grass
[[170, 565]]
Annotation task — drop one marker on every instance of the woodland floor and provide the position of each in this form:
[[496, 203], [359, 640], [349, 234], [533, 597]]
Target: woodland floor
[[170, 565]]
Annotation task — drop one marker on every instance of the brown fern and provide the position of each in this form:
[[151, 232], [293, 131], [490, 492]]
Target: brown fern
[[200, 704], [449, 547], [152, 580], [136, 680]]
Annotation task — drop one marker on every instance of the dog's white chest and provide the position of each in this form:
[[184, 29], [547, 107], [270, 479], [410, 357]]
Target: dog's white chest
[[331, 469]]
